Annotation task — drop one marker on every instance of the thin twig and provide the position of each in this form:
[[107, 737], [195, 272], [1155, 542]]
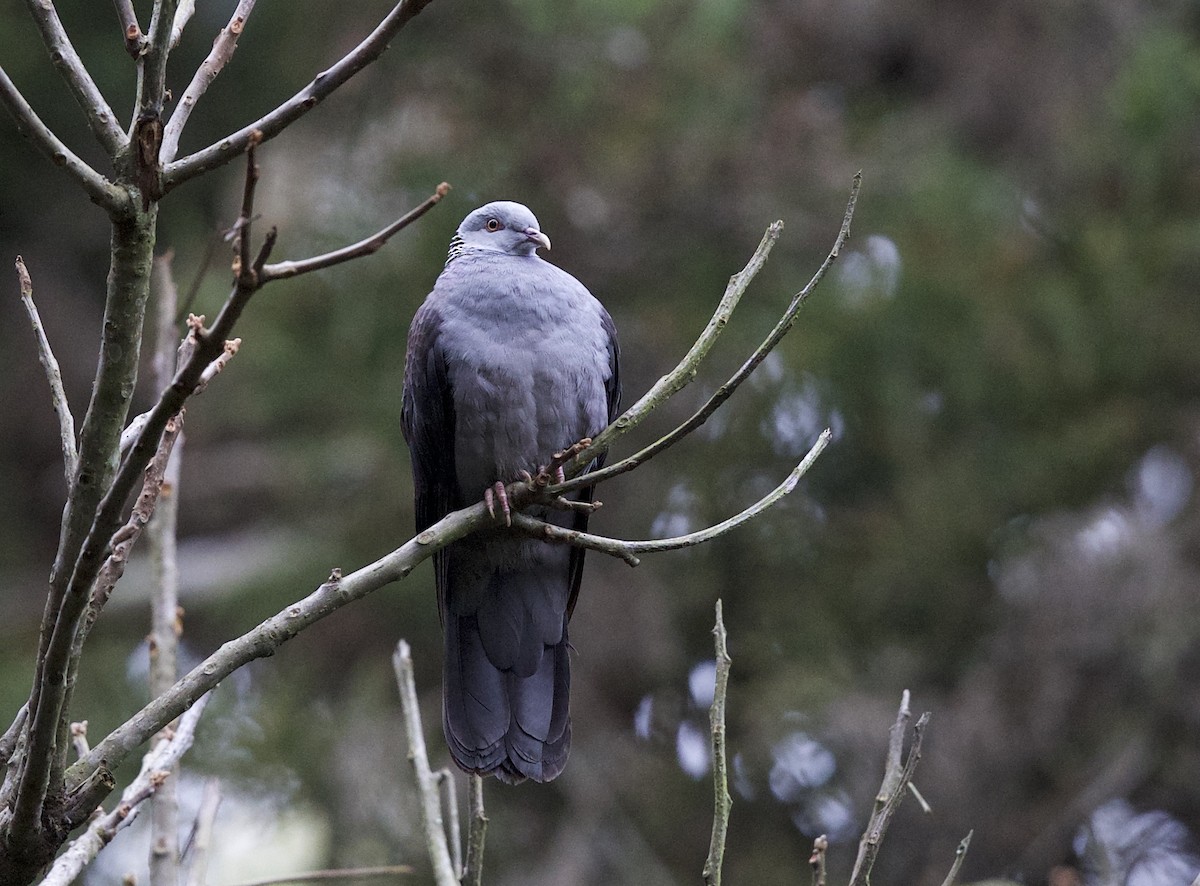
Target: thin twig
[[164, 601], [79, 739], [393, 870], [431, 804], [371, 244], [723, 393], [222, 51], [131, 31], [8, 741], [683, 373], [66, 423], [307, 98], [897, 775], [476, 832], [75, 74], [628, 550], [99, 834], [445, 780], [101, 191], [960, 855], [206, 819], [817, 860], [722, 802]]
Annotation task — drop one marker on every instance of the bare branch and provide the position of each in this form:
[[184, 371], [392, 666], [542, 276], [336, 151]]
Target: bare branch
[[99, 189], [99, 115], [722, 802], [183, 15], [307, 98], [960, 855], [66, 423], [8, 741], [222, 51], [206, 819], [427, 783], [817, 860], [285, 269], [449, 797], [476, 833], [723, 393], [679, 377], [102, 830], [135, 40], [79, 739], [628, 550], [897, 776]]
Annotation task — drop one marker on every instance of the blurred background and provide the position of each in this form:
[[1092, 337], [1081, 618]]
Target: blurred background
[[1008, 355]]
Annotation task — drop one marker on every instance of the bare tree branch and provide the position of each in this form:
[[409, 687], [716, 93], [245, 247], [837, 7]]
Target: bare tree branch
[[277, 120], [476, 833], [687, 367], [66, 423], [206, 819], [722, 802], [628, 550], [183, 15], [817, 860], [285, 269], [64, 57], [8, 741], [99, 189], [222, 51], [100, 832], [960, 855], [449, 798], [135, 40], [427, 783], [897, 775], [164, 601]]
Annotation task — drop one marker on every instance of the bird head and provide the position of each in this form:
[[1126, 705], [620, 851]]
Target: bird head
[[503, 226]]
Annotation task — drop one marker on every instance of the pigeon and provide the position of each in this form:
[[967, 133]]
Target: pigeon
[[510, 359]]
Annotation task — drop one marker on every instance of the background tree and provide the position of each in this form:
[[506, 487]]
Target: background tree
[[1009, 360]]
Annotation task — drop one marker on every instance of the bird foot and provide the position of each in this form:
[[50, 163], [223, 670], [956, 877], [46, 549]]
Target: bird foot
[[497, 493], [553, 472]]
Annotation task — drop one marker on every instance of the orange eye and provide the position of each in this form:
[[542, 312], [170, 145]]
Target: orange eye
[[493, 224]]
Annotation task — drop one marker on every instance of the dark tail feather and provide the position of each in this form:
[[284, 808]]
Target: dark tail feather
[[499, 723]]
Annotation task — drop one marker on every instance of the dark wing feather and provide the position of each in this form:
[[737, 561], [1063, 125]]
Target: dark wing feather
[[427, 419], [612, 388]]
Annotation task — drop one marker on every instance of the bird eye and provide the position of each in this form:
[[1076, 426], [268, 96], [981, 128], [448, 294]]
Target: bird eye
[[493, 224]]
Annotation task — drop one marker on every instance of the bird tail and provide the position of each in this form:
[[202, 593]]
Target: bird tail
[[506, 688]]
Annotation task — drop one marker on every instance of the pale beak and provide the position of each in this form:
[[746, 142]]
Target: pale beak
[[537, 237]]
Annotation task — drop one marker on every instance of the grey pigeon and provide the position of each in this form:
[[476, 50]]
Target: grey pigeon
[[509, 360]]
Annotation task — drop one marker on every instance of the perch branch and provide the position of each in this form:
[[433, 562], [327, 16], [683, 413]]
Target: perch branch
[[722, 802], [723, 393], [679, 377], [628, 550], [79, 739], [8, 741], [101, 831], [66, 423], [476, 833], [277, 120], [101, 191], [131, 31], [897, 775], [368, 246], [427, 783], [223, 48], [75, 74], [960, 855]]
